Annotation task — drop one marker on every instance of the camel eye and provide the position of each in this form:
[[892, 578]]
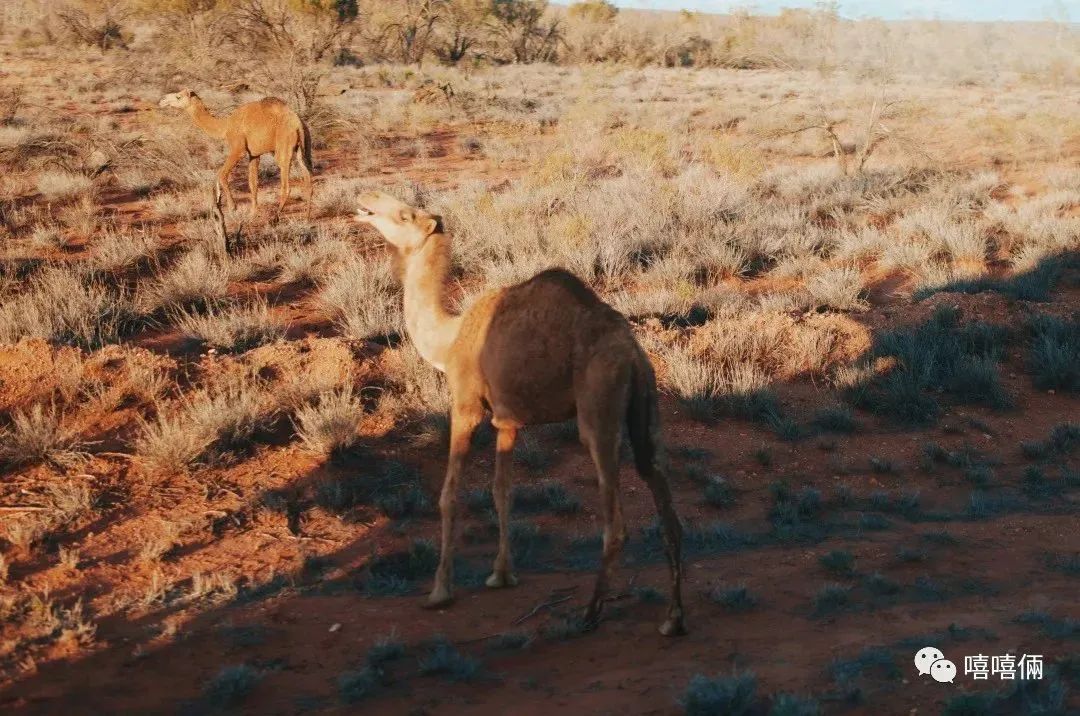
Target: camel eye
[[405, 216]]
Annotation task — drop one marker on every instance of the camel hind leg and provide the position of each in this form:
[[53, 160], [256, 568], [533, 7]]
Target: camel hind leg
[[303, 160], [600, 406], [643, 426], [284, 162]]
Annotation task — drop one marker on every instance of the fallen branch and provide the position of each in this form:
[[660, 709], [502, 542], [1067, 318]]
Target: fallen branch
[[545, 605]]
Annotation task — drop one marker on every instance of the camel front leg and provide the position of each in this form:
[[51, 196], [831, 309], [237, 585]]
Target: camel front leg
[[253, 184], [502, 575], [231, 160], [462, 425]]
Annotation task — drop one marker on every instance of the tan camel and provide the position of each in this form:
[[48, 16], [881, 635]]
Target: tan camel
[[254, 129], [545, 350]]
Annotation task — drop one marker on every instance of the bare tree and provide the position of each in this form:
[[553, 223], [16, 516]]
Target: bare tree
[[877, 131], [100, 25], [461, 30], [520, 33], [405, 29], [278, 27]]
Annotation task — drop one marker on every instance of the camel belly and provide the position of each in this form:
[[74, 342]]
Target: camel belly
[[531, 408]]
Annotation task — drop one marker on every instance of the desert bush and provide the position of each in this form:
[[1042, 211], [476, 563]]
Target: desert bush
[[55, 184], [592, 11], [417, 390], [231, 686], [734, 695], [231, 328], [309, 264], [939, 355], [461, 30], [735, 599], [209, 426], [37, 435], [156, 542], [362, 297], [1054, 355], [840, 289], [62, 307], [329, 424], [444, 659], [46, 236], [122, 250], [794, 705], [96, 24], [196, 281]]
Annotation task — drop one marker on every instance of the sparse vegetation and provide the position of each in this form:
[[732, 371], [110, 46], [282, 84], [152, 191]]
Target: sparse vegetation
[[939, 355], [830, 599], [1054, 355], [838, 419], [211, 425], [231, 686], [37, 435], [734, 599], [839, 563], [443, 659], [234, 329], [733, 695], [329, 424]]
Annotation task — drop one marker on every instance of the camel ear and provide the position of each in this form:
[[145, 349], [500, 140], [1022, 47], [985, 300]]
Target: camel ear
[[433, 225]]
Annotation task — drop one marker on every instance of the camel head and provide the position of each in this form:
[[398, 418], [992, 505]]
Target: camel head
[[404, 227], [179, 100]]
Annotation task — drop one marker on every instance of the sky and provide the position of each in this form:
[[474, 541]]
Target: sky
[[981, 10]]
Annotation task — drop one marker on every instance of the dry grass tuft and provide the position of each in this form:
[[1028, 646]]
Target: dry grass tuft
[[197, 280], [38, 435], [117, 251], [56, 184], [158, 542], [210, 426], [63, 307], [232, 328], [329, 424], [362, 298], [840, 289]]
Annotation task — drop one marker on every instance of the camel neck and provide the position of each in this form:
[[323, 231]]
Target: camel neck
[[207, 122], [430, 326]]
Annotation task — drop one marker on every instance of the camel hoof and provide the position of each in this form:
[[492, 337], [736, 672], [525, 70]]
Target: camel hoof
[[673, 626], [500, 580], [438, 598], [591, 619]]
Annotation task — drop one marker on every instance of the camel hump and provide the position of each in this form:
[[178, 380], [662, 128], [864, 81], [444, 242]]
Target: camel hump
[[555, 281], [268, 107]]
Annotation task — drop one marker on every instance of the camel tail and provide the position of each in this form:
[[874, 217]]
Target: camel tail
[[304, 140], [643, 422]]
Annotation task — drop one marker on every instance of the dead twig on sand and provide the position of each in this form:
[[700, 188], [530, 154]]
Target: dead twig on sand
[[547, 605]]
